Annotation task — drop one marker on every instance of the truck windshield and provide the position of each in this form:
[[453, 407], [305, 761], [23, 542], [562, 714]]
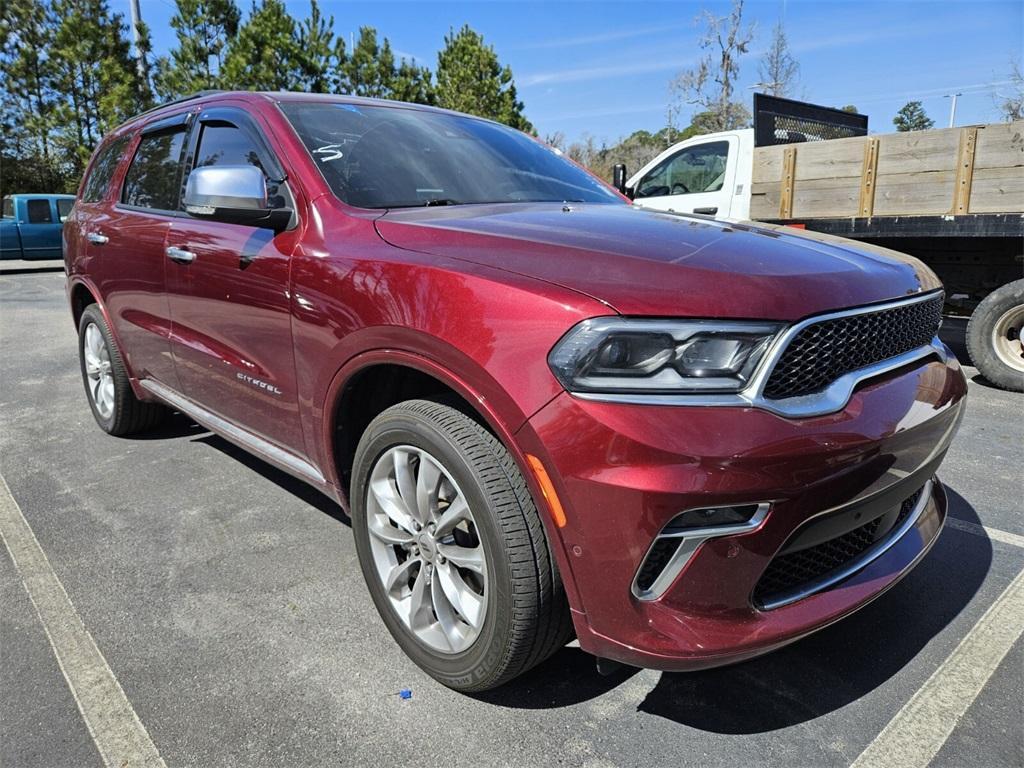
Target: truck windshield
[[8, 207], [397, 157]]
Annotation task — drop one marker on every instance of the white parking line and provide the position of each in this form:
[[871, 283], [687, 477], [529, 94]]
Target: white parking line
[[118, 733], [922, 726], [981, 530]]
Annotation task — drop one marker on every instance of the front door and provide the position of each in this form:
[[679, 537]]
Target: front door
[[230, 304], [696, 179]]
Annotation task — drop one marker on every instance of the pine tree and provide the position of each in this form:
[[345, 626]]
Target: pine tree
[[412, 83], [28, 103], [265, 54], [369, 69], [95, 73], [778, 69], [471, 79], [319, 51], [203, 28], [912, 117]]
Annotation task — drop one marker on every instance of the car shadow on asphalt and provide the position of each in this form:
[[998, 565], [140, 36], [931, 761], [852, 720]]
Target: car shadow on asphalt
[[842, 663], [954, 334], [292, 485]]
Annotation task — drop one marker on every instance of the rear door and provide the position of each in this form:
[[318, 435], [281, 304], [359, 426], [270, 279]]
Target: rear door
[[695, 179], [228, 286], [125, 235]]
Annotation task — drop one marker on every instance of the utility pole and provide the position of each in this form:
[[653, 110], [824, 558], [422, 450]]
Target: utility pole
[[140, 60], [952, 107]]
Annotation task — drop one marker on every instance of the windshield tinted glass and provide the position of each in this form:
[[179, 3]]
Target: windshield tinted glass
[[387, 157]]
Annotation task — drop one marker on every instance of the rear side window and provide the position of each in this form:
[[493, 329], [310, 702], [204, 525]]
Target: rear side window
[[39, 212], [154, 177], [103, 170], [64, 208]]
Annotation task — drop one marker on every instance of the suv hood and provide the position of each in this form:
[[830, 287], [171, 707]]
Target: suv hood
[[642, 262]]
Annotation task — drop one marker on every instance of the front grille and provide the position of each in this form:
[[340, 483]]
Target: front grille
[[793, 572], [822, 352]]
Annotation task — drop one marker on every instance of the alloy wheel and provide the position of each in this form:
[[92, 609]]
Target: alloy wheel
[[97, 371], [426, 549]]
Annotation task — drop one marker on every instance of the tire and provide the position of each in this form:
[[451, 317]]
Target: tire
[[118, 411], [525, 616], [994, 336]]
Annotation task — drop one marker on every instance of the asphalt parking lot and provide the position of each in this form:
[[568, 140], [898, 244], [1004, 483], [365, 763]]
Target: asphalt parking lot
[[226, 601]]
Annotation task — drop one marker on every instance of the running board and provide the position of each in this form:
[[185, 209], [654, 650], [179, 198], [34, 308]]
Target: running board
[[257, 445]]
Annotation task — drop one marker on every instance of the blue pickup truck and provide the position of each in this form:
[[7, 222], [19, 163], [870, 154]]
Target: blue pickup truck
[[31, 226]]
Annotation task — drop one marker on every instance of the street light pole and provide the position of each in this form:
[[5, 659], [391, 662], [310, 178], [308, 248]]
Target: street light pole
[[140, 59], [952, 107]]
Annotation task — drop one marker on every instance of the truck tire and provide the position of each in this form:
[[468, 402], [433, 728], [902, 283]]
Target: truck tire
[[453, 549], [994, 337], [111, 399]]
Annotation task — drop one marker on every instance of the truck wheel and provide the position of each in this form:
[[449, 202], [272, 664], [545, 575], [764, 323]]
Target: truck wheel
[[452, 548], [994, 336], [113, 404]]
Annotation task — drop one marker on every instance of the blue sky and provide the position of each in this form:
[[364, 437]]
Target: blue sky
[[604, 68]]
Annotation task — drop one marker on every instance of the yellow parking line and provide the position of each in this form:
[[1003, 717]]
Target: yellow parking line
[[119, 735], [922, 726]]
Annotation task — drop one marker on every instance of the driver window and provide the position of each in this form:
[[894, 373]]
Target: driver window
[[695, 169]]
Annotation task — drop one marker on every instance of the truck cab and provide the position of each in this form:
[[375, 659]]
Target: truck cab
[[707, 174], [32, 224]]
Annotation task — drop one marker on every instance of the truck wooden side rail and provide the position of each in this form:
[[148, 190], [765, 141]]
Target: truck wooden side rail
[[952, 197]]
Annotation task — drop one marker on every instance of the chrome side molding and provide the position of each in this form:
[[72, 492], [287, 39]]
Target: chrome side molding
[[263, 448]]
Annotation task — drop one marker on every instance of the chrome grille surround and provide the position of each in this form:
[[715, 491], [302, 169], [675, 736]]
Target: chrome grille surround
[[832, 398]]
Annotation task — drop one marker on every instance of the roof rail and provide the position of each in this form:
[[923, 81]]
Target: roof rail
[[182, 99]]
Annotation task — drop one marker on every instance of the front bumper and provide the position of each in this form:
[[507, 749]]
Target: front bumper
[[624, 471]]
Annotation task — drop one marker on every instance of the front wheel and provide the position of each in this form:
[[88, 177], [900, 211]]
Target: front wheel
[[994, 336], [452, 547]]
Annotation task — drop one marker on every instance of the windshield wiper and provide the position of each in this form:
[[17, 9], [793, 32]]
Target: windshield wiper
[[439, 201]]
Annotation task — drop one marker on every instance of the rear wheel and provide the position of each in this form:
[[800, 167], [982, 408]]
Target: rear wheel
[[113, 403], [452, 547], [994, 336]]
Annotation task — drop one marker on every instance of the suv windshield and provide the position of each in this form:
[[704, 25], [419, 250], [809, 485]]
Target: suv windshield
[[396, 157]]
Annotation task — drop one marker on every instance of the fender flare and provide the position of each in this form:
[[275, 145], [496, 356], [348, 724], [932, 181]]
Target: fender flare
[[503, 427]]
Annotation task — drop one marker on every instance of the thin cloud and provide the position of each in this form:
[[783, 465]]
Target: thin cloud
[[587, 114], [601, 72], [601, 37]]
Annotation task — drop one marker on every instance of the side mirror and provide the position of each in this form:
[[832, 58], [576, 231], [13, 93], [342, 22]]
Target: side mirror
[[619, 177], [235, 194]]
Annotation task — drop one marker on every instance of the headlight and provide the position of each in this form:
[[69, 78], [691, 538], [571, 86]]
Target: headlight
[[616, 355]]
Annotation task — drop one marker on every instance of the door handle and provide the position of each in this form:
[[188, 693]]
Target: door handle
[[710, 210], [180, 255], [97, 239]]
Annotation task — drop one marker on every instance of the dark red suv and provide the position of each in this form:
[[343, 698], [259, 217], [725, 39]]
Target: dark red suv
[[688, 441]]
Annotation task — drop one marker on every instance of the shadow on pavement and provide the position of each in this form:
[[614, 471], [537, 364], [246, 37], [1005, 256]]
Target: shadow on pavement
[[176, 425], [954, 334], [840, 664], [569, 677], [283, 480], [23, 269]]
